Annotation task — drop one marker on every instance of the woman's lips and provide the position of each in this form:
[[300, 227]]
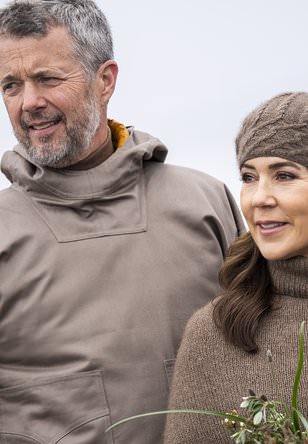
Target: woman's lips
[[271, 227]]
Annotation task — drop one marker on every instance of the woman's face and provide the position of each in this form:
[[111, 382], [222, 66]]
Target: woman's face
[[274, 201]]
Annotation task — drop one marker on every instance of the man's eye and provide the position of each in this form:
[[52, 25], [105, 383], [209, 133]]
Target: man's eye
[[9, 86], [49, 80]]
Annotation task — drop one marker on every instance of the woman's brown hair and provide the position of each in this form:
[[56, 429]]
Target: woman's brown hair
[[247, 294]]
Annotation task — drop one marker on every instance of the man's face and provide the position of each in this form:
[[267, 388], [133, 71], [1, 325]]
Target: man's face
[[53, 107]]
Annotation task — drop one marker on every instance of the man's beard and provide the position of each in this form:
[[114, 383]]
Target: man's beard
[[72, 147]]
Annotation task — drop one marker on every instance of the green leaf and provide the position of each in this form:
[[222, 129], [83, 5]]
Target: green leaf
[[243, 437], [297, 378], [303, 420], [245, 403], [257, 418]]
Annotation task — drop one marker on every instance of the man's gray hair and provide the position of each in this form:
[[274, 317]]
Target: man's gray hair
[[85, 22]]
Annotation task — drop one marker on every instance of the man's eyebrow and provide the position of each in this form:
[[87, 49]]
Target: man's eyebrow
[[41, 73], [274, 166], [8, 78]]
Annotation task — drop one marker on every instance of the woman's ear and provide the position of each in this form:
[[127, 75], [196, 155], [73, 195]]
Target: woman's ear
[[106, 80]]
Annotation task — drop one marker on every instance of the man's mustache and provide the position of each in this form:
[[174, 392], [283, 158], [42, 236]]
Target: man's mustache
[[31, 118]]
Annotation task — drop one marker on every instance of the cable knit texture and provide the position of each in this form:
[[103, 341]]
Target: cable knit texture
[[278, 128], [211, 374]]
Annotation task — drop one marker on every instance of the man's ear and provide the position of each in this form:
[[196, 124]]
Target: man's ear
[[106, 80]]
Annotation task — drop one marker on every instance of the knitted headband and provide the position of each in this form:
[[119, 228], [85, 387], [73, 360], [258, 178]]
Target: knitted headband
[[277, 128]]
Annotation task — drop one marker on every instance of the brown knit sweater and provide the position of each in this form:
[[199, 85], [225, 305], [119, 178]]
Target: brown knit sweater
[[211, 374]]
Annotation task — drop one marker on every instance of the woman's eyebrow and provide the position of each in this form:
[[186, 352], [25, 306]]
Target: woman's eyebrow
[[276, 165], [246, 165]]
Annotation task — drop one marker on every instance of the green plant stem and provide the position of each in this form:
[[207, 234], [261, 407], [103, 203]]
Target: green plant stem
[[164, 412], [297, 379]]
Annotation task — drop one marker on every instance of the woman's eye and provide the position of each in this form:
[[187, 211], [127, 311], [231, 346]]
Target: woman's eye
[[247, 177], [282, 175]]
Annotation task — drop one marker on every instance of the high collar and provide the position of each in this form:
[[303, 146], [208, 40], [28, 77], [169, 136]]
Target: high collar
[[102, 201], [113, 175], [290, 276]]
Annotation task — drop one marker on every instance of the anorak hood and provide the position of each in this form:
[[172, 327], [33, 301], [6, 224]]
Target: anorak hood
[[114, 189], [111, 176]]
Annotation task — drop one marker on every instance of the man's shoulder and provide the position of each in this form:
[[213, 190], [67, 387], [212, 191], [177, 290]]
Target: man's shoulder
[[154, 153], [190, 173], [192, 186], [193, 192], [12, 215], [6, 195], [184, 177], [12, 201]]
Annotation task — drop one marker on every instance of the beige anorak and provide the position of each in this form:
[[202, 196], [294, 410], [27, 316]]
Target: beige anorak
[[99, 272]]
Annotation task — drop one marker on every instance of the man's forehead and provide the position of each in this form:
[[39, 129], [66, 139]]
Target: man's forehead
[[33, 54], [57, 42]]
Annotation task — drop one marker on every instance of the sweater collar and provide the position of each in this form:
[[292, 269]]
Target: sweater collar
[[290, 276]]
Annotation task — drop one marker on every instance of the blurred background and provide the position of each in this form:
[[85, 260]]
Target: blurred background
[[190, 71]]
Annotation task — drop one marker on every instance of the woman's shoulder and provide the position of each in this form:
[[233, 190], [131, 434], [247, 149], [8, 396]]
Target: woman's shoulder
[[202, 317], [201, 325]]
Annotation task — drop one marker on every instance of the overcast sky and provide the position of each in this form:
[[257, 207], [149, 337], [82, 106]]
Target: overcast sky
[[191, 70]]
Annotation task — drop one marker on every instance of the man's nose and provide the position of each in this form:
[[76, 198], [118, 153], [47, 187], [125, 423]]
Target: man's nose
[[263, 195], [32, 98]]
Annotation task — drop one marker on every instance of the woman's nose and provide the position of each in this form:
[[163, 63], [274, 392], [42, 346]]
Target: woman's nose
[[263, 195]]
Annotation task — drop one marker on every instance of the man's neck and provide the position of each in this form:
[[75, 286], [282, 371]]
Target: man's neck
[[97, 157]]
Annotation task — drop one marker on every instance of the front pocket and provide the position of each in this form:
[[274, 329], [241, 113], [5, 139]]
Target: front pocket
[[67, 410]]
